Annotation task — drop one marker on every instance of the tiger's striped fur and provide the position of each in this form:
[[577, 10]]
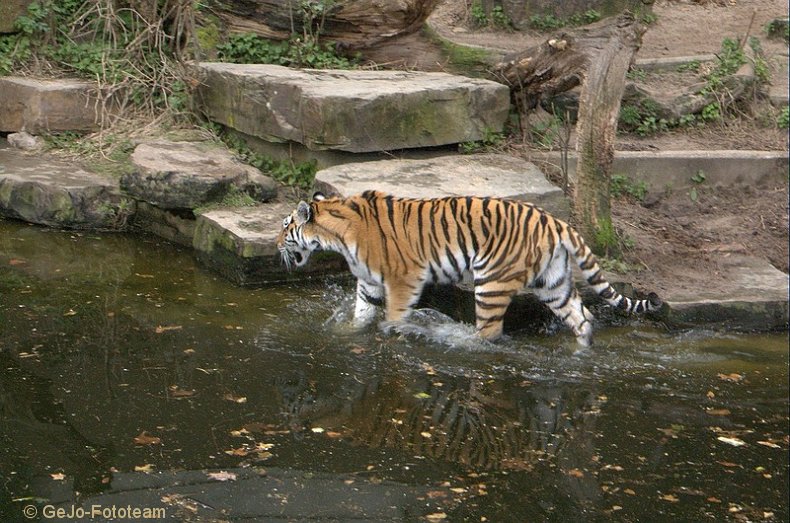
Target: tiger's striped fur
[[394, 246]]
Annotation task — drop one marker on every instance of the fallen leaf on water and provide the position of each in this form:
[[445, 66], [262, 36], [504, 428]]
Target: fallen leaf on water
[[670, 497], [426, 435], [222, 476], [164, 328], [436, 516], [422, 395], [616, 468], [433, 494], [718, 412], [735, 442], [317, 430], [176, 392], [629, 491], [241, 451], [711, 394], [713, 499], [235, 399], [575, 473], [16, 261], [70, 312], [58, 476], [144, 468], [734, 377], [143, 275], [333, 434], [145, 439], [356, 349], [264, 446], [769, 444]]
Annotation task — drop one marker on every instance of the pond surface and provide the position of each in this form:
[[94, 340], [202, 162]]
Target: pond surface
[[122, 359]]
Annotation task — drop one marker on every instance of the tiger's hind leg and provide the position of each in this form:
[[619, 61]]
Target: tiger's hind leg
[[555, 288], [401, 297]]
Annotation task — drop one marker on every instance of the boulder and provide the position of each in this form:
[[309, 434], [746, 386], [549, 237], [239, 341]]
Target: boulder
[[356, 111], [187, 175], [496, 175], [59, 194], [240, 245], [39, 106]]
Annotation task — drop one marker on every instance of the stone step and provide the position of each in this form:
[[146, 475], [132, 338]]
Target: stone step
[[350, 110], [495, 175], [59, 194], [756, 299], [240, 244], [41, 106], [188, 175], [661, 170]]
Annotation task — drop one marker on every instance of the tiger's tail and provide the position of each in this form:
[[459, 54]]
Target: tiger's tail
[[592, 272]]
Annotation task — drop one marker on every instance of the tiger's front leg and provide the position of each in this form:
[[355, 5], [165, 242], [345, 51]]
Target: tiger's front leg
[[491, 302], [369, 296]]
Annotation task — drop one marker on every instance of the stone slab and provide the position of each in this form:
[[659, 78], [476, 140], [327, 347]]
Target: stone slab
[[757, 299], [40, 106], [240, 244], [58, 193], [674, 169], [255, 494], [356, 111], [496, 175], [187, 175]]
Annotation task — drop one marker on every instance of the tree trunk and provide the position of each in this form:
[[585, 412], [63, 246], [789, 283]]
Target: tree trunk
[[351, 24], [596, 128], [597, 57]]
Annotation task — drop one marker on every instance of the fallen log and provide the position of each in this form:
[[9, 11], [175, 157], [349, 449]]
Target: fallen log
[[351, 24]]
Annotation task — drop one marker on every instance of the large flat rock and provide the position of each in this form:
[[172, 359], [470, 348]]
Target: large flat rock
[[755, 298], [186, 175], [59, 194], [356, 111], [239, 243], [494, 175], [40, 106]]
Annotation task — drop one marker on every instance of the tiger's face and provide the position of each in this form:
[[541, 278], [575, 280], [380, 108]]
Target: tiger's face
[[293, 243], [296, 242]]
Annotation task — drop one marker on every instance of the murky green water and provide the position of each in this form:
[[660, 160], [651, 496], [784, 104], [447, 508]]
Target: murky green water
[[121, 358]]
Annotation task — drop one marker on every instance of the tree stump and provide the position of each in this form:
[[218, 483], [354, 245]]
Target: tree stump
[[597, 57]]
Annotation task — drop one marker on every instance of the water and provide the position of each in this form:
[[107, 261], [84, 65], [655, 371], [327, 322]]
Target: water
[[121, 360]]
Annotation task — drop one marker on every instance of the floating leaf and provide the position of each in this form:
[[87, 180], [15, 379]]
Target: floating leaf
[[317, 430], [670, 497], [769, 444], [735, 442], [235, 399], [178, 393], [58, 476], [718, 412], [575, 473], [16, 261], [436, 516], [422, 395], [145, 439], [144, 468], [427, 435], [733, 377], [222, 476], [164, 328]]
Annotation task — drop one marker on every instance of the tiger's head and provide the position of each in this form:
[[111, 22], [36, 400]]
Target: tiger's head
[[299, 236]]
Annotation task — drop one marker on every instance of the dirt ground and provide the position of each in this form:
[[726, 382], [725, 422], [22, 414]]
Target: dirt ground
[[680, 242]]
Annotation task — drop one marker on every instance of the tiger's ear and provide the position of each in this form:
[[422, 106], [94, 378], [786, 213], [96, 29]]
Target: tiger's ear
[[318, 196], [304, 213]]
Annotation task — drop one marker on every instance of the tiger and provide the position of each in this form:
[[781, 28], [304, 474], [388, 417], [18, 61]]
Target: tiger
[[394, 246]]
